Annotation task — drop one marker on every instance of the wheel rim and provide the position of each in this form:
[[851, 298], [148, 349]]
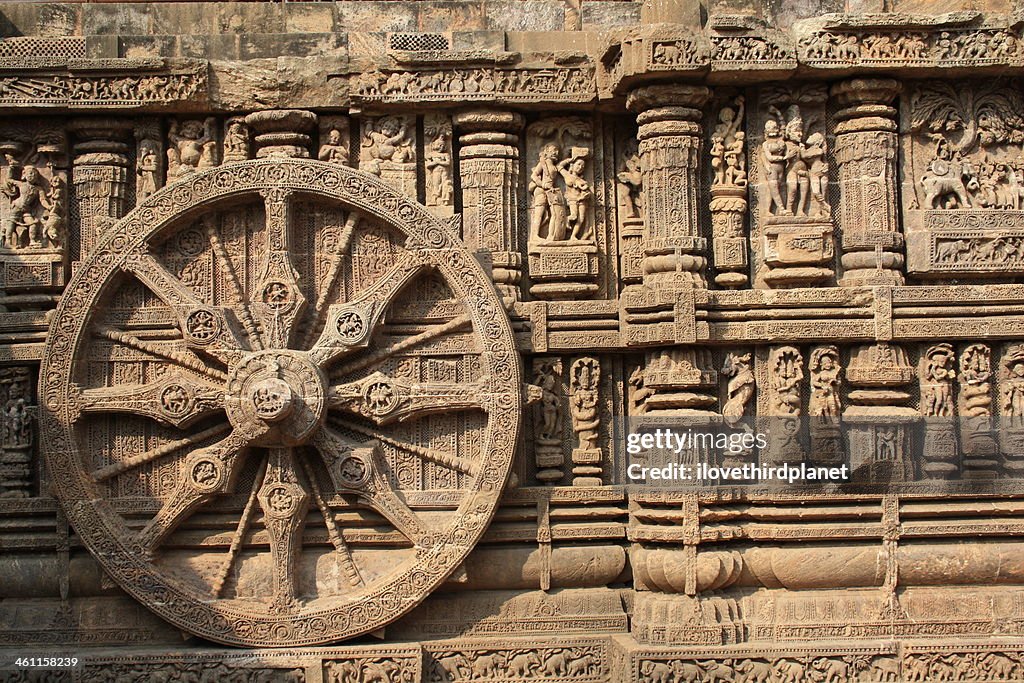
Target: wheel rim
[[283, 402]]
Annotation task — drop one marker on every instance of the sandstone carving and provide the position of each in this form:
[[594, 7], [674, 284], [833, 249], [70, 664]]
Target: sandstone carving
[[329, 331]]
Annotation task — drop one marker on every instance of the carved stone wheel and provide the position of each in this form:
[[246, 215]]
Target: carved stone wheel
[[280, 403]]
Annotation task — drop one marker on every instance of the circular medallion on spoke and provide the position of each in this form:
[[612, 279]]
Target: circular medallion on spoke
[[279, 403]]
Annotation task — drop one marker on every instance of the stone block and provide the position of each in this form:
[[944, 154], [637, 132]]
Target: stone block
[[525, 15], [435, 17], [148, 46], [605, 14], [103, 19], [354, 16]]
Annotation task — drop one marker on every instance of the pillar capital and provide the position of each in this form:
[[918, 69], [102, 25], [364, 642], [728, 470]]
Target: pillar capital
[[687, 99]]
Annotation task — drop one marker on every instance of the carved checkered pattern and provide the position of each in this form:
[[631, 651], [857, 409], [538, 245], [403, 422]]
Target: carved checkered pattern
[[418, 41], [71, 48]]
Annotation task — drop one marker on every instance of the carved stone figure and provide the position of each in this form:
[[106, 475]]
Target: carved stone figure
[[147, 169], [774, 155], [728, 158], [740, 388], [948, 179], [825, 384], [547, 376], [629, 188], [27, 200], [550, 453], [438, 163], [236, 141], [388, 140], [937, 383], [578, 195], [193, 146], [795, 167], [787, 371], [638, 393], [333, 150], [549, 209], [1013, 386], [585, 376]]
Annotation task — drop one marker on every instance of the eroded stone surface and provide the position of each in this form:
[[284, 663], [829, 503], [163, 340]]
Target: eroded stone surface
[[323, 321]]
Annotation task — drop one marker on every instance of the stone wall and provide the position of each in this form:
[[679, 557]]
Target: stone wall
[[322, 327]]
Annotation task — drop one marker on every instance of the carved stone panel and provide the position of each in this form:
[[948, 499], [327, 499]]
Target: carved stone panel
[[218, 371]]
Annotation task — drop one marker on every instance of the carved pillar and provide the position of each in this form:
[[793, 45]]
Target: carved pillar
[[979, 448], [681, 380], [729, 197], [866, 144], [489, 172], [282, 132], [669, 117], [880, 418], [100, 177]]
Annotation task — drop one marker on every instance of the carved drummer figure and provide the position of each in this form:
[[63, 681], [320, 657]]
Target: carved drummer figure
[[25, 194]]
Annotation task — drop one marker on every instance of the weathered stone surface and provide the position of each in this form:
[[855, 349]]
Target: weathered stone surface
[[323, 326]]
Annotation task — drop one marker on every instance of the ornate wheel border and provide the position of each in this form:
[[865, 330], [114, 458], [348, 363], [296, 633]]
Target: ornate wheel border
[[98, 524]]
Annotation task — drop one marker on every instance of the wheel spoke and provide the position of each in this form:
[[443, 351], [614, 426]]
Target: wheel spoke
[[348, 565], [411, 342], [177, 400], [327, 286], [285, 504], [206, 473], [360, 472], [350, 326], [279, 302], [161, 281], [458, 463], [205, 328], [113, 469], [177, 357], [245, 313], [384, 400], [239, 536]]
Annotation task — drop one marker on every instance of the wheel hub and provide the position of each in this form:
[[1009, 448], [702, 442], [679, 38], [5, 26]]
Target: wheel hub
[[278, 396]]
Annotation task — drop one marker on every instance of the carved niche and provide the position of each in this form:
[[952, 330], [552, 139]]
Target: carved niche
[[794, 212], [34, 200], [563, 254], [222, 353]]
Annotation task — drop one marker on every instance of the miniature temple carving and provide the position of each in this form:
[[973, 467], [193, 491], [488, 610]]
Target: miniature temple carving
[[729, 196]]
